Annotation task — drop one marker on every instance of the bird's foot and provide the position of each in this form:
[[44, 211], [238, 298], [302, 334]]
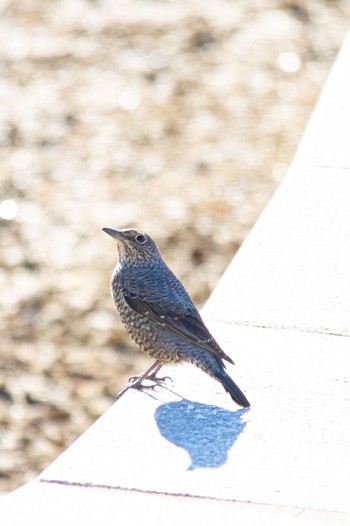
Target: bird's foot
[[152, 377], [136, 382]]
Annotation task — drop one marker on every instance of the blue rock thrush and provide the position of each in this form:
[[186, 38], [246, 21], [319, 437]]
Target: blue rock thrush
[[160, 316]]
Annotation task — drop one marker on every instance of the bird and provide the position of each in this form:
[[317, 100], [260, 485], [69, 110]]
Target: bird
[[160, 316]]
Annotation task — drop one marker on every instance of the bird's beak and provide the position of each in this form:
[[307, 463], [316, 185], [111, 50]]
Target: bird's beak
[[116, 234]]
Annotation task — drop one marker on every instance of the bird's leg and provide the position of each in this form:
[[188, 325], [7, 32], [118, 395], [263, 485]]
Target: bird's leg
[[152, 376], [136, 381]]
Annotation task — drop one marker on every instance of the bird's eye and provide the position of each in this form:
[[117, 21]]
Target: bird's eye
[[140, 238]]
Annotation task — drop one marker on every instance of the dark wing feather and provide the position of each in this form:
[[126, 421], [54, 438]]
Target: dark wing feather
[[167, 304]]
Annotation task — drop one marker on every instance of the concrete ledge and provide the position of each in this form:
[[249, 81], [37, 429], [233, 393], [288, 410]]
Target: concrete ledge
[[290, 448], [282, 311], [293, 269]]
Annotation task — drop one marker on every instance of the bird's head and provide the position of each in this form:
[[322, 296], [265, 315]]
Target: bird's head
[[134, 247]]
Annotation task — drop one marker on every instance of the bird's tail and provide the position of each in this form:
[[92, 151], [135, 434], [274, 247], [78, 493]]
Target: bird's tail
[[232, 389]]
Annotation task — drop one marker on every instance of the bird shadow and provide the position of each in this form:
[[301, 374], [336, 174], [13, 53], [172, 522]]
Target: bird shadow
[[206, 432]]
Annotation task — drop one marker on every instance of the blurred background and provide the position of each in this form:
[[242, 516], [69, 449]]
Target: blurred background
[[176, 117]]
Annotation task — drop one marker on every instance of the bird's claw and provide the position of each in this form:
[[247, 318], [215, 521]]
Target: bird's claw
[[135, 385], [158, 379], [151, 377], [141, 386]]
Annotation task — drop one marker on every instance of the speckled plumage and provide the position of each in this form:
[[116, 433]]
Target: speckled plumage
[[159, 314]]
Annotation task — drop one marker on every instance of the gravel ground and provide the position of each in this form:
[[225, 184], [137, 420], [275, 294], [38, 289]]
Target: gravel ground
[[176, 117]]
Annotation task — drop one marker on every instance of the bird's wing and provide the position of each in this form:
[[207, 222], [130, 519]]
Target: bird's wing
[[166, 303]]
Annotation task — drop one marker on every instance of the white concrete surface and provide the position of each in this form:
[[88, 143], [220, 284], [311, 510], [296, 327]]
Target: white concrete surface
[[291, 448], [39, 504], [42, 504]]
